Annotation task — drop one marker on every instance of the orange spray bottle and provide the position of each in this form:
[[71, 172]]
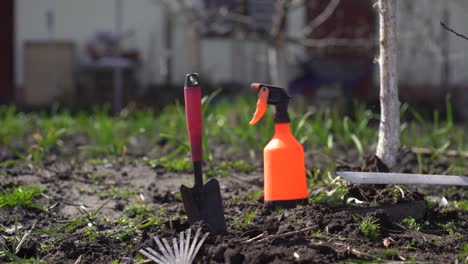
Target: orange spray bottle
[[285, 183]]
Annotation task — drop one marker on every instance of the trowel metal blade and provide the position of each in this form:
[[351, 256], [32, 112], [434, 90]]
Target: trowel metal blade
[[206, 205]]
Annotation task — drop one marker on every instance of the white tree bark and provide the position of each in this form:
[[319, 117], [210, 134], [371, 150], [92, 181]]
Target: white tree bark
[[278, 66], [389, 130]]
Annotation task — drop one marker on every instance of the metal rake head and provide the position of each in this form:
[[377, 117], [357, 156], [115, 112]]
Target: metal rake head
[[182, 252]]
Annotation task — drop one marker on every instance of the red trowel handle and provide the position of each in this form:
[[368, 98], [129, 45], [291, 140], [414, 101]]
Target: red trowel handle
[[193, 113]]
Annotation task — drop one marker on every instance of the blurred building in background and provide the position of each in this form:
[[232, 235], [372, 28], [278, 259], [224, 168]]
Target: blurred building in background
[[117, 50]]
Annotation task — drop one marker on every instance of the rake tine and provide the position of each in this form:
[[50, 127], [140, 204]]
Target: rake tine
[[169, 249], [162, 248], [154, 253], [187, 245], [183, 251], [194, 242], [176, 250], [181, 247], [198, 247], [151, 256]]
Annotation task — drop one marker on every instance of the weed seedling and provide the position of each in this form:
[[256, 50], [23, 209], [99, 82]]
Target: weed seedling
[[411, 223], [253, 195], [45, 142], [21, 196], [409, 245], [246, 220], [462, 205], [335, 197], [451, 229], [90, 232], [87, 218], [464, 253], [370, 228]]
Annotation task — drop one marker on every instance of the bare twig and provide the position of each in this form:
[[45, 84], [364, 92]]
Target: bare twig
[[286, 234], [254, 238], [25, 236], [78, 260], [321, 18], [449, 153], [279, 21], [453, 31], [329, 42]]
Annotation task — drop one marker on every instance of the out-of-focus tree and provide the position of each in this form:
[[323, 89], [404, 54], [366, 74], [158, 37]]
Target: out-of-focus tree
[[233, 19]]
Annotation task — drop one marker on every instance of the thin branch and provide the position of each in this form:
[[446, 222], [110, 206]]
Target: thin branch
[[25, 236], [330, 42], [321, 18], [453, 31], [282, 235], [279, 21]]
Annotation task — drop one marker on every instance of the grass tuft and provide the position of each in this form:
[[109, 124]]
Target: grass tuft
[[370, 228], [411, 223], [21, 196], [246, 220]]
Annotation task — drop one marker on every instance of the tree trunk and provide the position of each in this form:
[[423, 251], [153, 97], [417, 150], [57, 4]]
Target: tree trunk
[[168, 27], [277, 64], [277, 58], [194, 48], [389, 130], [445, 48]]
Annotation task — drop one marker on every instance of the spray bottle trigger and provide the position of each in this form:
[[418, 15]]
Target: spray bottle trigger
[[262, 104]]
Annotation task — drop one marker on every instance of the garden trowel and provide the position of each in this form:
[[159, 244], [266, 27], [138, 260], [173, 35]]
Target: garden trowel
[[402, 178], [202, 201]]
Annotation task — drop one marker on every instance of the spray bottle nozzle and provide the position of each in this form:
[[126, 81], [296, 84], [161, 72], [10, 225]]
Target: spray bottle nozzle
[[270, 95]]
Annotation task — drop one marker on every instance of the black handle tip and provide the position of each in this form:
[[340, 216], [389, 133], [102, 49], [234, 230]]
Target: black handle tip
[[191, 80]]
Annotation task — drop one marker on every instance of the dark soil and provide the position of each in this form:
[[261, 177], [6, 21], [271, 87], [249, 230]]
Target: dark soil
[[312, 233]]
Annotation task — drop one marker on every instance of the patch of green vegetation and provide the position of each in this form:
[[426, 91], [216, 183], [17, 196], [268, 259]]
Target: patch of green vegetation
[[89, 190], [85, 218], [463, 254], [183, 164], [21, 196], [99, 161], [359, 261], [371, 228], [461, 205], [47, 247], [97, 177], [409, 245], [90, 233], [411, 223], [451, 229], [253, 195], [138, 217], [47, 232], [122, 193], [387, 254], [247, 218], [44, 143], [176, 161], [333, 198], [225, 167], [431, 203], [8, 163]]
